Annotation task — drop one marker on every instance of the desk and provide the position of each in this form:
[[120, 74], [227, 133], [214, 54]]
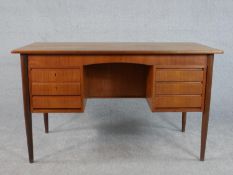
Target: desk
[[59, 77]]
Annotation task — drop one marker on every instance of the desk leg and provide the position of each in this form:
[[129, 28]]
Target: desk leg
[[205, 114], [183, 121], [26, 101], [46, 122]]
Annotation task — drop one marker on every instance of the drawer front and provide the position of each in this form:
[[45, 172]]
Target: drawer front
[[55, 88], [54, 61], [178, 101], [179, 75], [55, 75], [184, 88], [54, 102]]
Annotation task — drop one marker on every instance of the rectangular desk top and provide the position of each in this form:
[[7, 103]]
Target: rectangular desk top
[[116, 48]]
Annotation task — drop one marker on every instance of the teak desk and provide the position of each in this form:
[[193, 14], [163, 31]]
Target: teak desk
[[173, 77]]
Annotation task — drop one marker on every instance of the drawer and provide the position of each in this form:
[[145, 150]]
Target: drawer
[[53, 102], [55, 75], [172, 88], [178, 101], [54, 61], [179, 75], [55, 88]]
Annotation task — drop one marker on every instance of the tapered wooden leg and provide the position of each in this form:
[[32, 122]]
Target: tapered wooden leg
[[205, 114], [204, 130], [183, 121], [46, 122], [27, 111]]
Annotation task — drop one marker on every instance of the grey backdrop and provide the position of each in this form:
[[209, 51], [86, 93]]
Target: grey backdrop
[[25, 21], [207, 21]]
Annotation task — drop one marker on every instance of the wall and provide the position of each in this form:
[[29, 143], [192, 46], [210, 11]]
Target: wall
[[205, 21]]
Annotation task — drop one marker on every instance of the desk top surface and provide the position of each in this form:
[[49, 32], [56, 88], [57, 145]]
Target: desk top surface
[[116, 48]]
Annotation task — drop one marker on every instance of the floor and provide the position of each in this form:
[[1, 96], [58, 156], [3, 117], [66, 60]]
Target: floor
[[113, 136]]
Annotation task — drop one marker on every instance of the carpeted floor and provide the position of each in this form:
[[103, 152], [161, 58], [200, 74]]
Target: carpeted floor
[[113, 136]]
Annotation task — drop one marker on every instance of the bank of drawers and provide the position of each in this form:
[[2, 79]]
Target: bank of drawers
[[179, 88], [55, 88]]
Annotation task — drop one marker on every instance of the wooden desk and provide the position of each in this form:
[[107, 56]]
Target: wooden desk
[[173, 77]]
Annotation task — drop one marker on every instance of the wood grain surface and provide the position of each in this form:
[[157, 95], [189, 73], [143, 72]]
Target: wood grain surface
[[116, 48]]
